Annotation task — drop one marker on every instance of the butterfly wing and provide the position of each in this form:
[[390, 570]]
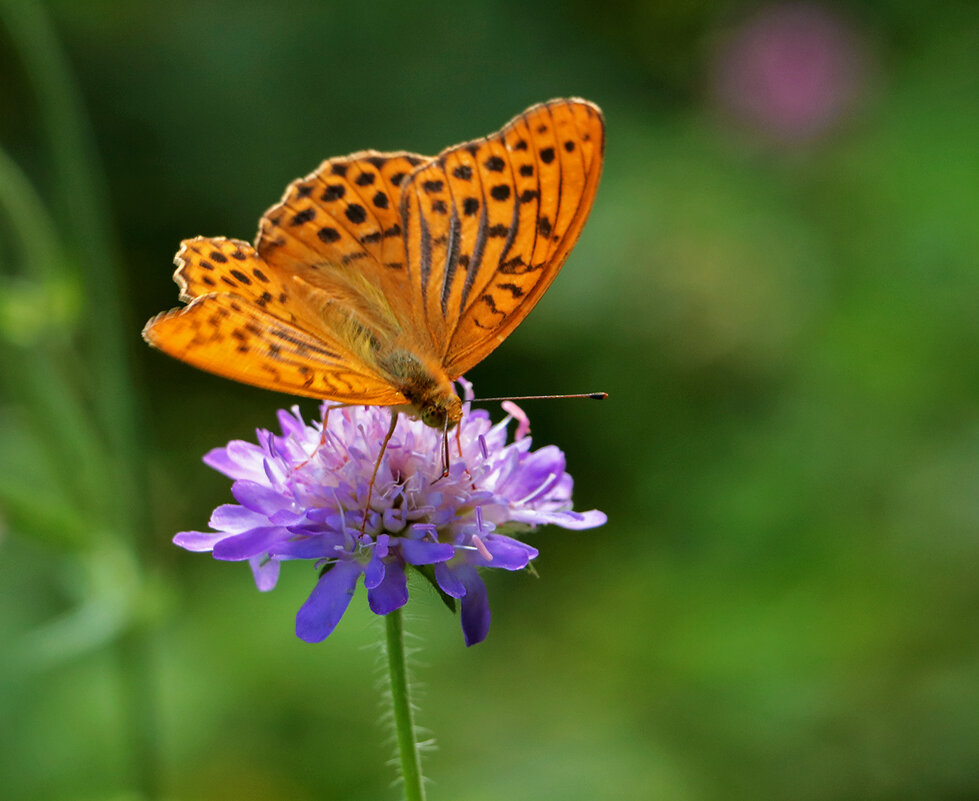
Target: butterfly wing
[[339, 229], [489, 224], [226, 334], [248, 321]]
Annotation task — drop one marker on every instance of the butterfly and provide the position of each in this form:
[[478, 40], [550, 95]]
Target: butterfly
[[382, 277]]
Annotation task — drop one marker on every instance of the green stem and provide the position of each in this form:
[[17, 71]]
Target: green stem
[[404, 725]]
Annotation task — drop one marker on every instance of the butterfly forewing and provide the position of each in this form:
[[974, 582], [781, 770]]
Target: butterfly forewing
[[345, 216], [489, 224]]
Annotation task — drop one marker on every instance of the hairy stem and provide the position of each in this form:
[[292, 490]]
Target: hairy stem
[[401, 701]]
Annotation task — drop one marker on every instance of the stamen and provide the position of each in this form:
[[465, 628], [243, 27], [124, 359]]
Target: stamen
[[428, 528], [518, 414], [481, 547]]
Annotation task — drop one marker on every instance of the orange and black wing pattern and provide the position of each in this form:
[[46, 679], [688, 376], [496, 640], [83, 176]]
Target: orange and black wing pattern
[[489, 224]]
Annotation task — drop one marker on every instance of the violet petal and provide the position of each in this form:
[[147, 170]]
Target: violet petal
[[250, 543], [392, 592], [259, 497], [422, 552], [328, 601], [475, 611], [448, 581]]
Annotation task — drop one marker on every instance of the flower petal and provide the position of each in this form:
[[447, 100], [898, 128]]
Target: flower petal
[[475, 611], [568, 519], [317, 546], [266, 572], [199, 540], [422, 552], [239, 459], [328, 601], [250, 543], [392, 592], [374, 571], [234, 519], [537, 472], [448, 581], [259, 497], [509, 554]]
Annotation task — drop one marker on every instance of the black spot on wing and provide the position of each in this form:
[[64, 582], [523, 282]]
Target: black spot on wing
[[355, 213], [500, 192], [304, 216], [333, 192]]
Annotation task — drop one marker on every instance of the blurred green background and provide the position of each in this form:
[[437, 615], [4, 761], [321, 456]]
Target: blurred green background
[[778, 286]]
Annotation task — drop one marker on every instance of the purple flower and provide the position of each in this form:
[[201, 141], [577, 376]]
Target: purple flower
[[793, 70], [303, 494]]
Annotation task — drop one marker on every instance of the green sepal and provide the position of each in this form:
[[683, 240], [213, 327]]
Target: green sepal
[[428, 573]]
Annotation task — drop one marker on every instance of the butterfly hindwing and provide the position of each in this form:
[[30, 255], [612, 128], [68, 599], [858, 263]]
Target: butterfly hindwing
[[213, 265], [229, 335], [489, 224]]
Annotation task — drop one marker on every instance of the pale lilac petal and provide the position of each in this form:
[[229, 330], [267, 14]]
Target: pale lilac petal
[[266, 572], [237, 460], [199, 540], [572, 520], [330, 598], [291, 422], [235, 519], [257, 497]]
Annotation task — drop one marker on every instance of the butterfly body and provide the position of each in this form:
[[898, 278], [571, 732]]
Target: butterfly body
[[381, 277]]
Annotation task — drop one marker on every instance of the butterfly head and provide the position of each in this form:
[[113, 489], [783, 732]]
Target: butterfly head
[[442, 411]]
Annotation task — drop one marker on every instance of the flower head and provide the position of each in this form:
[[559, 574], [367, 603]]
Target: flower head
[[792, 70], [303, 494]]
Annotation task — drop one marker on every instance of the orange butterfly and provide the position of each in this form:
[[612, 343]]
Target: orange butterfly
[[381, 277]]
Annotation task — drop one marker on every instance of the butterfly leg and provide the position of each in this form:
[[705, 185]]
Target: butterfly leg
[[377, 466], [445, 453]]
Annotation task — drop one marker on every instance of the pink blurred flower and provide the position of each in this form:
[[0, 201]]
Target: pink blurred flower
[[792, 70]]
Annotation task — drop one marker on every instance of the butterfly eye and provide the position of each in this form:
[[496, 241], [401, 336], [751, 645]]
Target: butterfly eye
[[432, 416]]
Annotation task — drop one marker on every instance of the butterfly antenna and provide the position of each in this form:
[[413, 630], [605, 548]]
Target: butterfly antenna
[[589, 395]]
